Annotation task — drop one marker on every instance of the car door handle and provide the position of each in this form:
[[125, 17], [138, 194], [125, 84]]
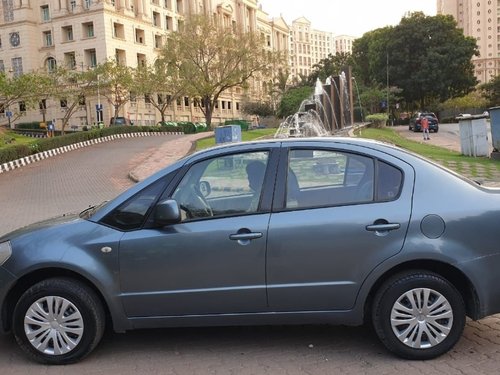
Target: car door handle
[[383, 227], [245, 236]]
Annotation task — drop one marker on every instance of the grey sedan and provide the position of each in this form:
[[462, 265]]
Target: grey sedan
[[325, 230]]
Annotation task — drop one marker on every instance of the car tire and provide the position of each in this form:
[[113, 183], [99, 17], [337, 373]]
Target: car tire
[[41, 325], [436, 130], [410, 128], [413, 332]]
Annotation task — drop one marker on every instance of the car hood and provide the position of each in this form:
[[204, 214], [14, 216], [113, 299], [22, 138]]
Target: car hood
[[40, 226]]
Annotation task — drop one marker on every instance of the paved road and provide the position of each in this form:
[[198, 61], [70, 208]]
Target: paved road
[[76, 179], [448, 136], [72, 181]]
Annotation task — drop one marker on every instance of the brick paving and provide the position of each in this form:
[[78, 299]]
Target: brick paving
[[76, 179]]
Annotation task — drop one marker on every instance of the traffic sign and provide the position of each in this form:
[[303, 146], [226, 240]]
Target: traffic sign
[[8, 114]]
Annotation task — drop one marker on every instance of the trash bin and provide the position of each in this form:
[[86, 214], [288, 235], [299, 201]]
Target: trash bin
[[495, 132], [228, 133], [473, 135]]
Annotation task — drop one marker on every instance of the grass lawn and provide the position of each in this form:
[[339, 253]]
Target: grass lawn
[[249, 135], [9, 138], [454, 160]]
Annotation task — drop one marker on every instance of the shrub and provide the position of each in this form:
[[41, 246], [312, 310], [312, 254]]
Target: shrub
[[13, 152], [378, 120], [28, 125]]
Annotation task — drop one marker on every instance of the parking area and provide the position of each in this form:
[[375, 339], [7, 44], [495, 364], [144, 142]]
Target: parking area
[[74, 180]]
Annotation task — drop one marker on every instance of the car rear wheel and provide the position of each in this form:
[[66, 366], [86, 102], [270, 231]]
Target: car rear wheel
[[418, 315], [58, 321]]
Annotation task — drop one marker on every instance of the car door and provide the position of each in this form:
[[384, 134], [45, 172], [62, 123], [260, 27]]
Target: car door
[[213, 261], [342, 212]]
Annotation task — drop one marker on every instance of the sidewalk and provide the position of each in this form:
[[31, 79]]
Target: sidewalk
[[166, 154]]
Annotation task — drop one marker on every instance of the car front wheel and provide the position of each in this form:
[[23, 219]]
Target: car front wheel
[[418, 315], [58, 321]]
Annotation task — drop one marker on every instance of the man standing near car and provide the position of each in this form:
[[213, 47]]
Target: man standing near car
[[424, 123]]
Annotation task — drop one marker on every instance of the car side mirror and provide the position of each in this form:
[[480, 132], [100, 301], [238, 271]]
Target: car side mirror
[[167, 212]]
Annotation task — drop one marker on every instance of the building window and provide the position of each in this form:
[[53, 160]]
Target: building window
[[158, 41], [51, 64], [47, 38], [70, 60], [90, 58], [140, 36], [8, 10], [17, 66], [44, 9], [118, 30], [72, 5], [87, 4], [156, 19], [67, 32], [88, 29], [169, 24]]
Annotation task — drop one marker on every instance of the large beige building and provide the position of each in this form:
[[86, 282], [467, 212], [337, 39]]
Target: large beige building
[[343, 43], [479, 19], [308, 47], [80, 34]]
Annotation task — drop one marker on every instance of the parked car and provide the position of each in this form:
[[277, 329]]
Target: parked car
[[433, 122], [294, 231], [119, 121]]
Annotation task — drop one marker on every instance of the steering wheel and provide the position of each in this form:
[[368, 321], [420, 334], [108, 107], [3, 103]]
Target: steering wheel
[[195, 204]]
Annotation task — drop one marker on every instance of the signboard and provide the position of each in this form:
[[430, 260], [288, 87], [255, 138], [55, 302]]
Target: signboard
[[8, 114]]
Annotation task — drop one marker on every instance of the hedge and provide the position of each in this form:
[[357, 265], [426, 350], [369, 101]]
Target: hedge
[[13, 152]]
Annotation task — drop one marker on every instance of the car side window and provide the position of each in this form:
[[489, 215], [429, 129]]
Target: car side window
[[389, 181], [131, 214], [226, 185], [319, 178]]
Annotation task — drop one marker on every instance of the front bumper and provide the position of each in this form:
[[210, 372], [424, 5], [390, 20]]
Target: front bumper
[[7, 281]]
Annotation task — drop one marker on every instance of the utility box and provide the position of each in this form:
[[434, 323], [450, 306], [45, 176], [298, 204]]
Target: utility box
[[495, 131], [473, 135], [228, 133]]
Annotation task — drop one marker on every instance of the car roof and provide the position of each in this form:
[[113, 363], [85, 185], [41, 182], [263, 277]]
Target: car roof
[[308, 140]]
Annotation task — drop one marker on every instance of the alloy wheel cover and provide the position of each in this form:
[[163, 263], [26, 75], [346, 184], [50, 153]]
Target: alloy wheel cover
[[421, 318], [53, 325]]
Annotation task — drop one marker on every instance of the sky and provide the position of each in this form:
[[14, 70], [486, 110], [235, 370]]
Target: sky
[[347, 17]]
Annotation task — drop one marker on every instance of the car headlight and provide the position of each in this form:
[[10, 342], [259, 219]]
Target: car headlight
[[5, 252]]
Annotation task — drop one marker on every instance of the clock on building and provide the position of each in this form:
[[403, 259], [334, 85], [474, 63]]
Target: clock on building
[[15, 39]]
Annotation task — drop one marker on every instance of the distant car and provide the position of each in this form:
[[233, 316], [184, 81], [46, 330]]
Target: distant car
[[415, 122], [120, 121], [282, 231]]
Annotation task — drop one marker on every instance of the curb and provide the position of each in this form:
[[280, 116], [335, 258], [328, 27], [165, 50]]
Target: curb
[[135, 174], [18, 163]]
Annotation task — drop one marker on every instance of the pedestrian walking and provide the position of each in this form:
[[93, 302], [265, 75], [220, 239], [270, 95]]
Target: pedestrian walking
[[424, 123]]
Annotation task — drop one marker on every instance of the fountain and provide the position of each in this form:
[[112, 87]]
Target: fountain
[[328, 111]]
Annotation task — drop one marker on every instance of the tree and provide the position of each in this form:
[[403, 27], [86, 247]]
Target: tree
[[212, 58], [291, 100], [115, 83], [330, 66], [18, 89], [464, 103], [71, 87], [161, 83], [429, 58], [491, 91]]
